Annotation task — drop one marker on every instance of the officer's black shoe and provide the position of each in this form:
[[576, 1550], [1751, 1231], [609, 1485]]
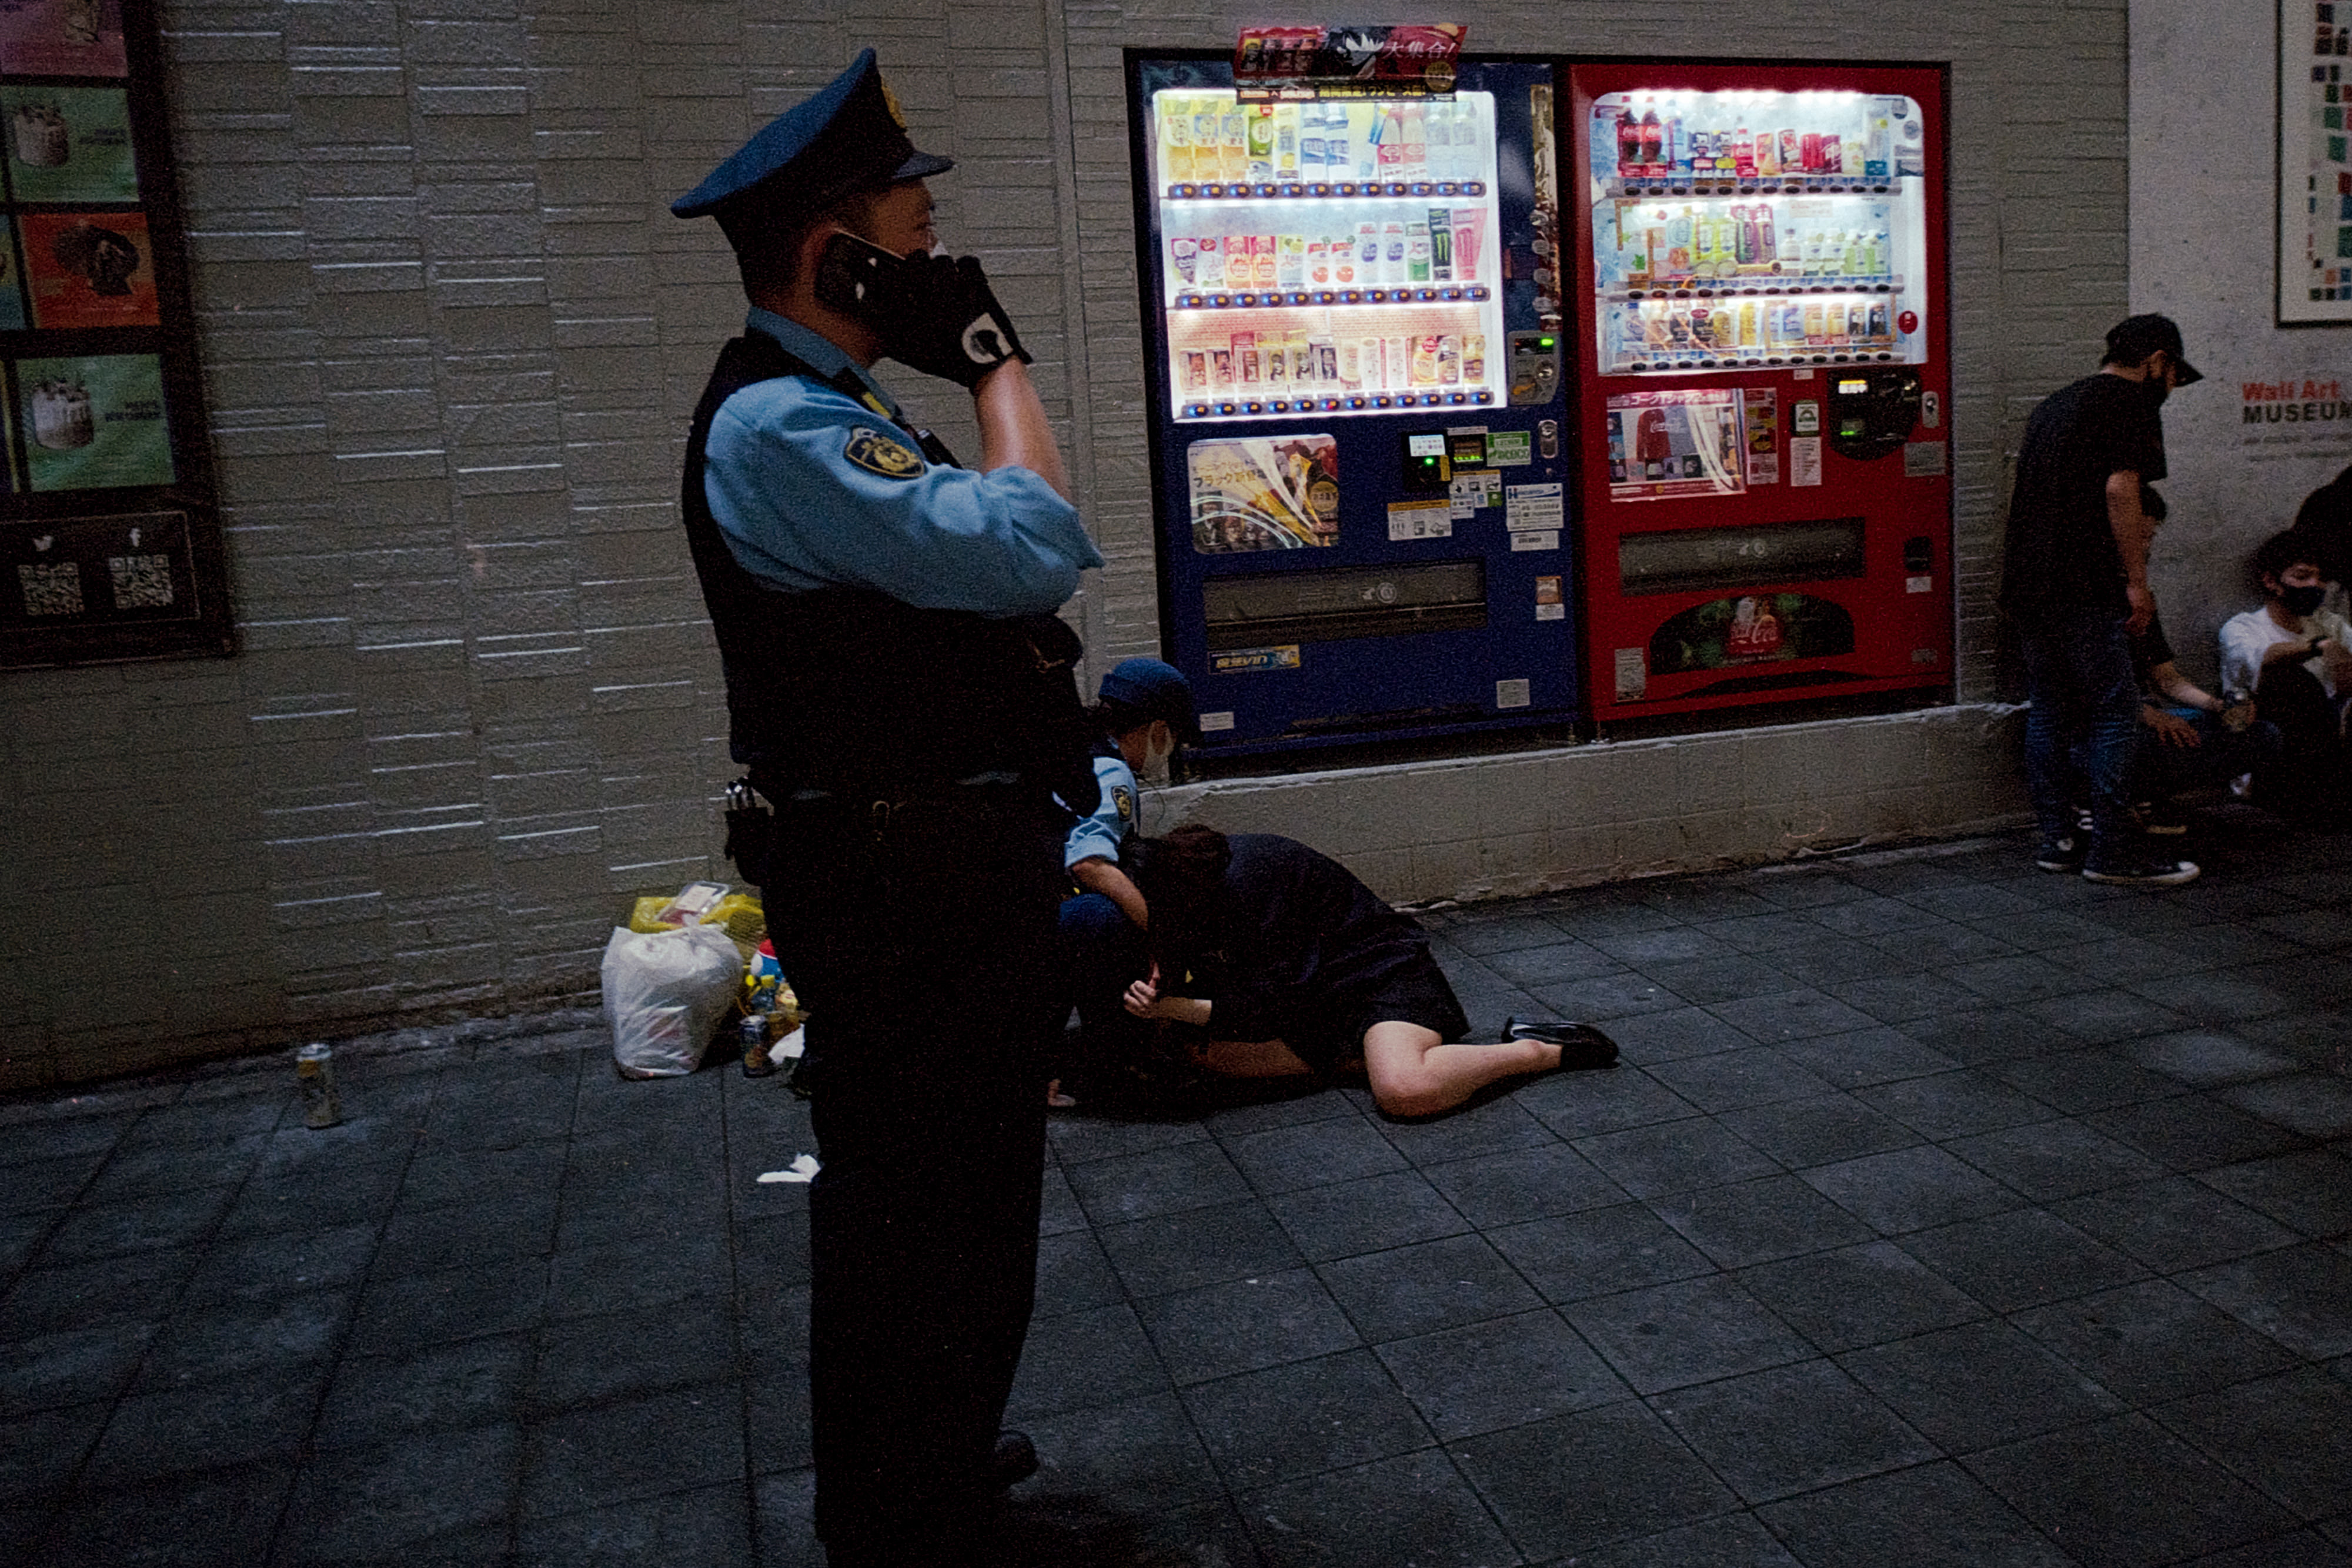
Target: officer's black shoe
[[1015, 1461]]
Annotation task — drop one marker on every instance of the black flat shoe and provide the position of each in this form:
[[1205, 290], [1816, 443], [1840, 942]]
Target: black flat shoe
[[1582, 1046]]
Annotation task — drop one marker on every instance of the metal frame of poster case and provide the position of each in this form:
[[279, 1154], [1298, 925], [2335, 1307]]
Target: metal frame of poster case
[[109, 522], [2313, 86]]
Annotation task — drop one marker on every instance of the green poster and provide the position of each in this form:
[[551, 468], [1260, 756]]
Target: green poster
[[69, 144], [93, 424]]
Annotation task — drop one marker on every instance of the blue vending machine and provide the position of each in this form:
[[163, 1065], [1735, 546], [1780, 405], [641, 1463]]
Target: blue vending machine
[[1358, 439]]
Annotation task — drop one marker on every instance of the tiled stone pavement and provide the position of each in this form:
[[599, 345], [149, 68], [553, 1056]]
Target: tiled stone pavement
[[1942, 1213]]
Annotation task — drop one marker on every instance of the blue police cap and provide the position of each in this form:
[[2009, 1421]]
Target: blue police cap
[[1156, 690], [849, 136]]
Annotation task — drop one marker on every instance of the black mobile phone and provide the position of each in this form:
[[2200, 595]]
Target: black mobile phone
[[849, 272]]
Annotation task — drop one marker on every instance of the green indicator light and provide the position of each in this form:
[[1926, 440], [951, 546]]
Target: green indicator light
[[1548, 342]]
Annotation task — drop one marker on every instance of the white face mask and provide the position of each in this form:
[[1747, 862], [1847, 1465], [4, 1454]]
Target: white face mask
[[1157, 758]]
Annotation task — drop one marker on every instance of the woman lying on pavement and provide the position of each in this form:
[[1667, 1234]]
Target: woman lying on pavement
[[1277, 962]]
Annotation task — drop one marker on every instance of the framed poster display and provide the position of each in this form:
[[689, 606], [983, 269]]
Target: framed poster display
[[2314, 162], [111, 542]]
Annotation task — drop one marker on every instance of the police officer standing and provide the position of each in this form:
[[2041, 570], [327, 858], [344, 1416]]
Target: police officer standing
[[903, 696]]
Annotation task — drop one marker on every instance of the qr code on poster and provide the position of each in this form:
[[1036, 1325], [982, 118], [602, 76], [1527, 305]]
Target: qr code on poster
[[51, 590], [140, 582]]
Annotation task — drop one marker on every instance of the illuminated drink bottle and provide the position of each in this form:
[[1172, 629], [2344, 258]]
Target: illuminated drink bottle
[[1176, 139]]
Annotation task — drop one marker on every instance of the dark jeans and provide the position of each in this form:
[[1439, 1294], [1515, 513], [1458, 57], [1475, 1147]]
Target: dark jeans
[[925, 959], [2310, 776], [2079, 677], [1103, 952]]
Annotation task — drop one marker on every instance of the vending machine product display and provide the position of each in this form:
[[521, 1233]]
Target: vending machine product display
[[1763, 368], [1357, 402]]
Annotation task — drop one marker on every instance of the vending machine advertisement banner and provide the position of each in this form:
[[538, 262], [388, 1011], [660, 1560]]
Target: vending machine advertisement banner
[[1666, 445], [1264, 492], [1310, 61]]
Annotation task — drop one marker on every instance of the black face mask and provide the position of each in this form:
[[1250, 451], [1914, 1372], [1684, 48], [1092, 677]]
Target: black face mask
[[2156, 389], [2302, 601]]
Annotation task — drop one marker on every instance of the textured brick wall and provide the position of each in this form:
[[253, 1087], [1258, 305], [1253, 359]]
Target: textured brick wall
[[451, 336]]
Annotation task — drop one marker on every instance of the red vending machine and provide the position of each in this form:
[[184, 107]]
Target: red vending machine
[[1764, 367]]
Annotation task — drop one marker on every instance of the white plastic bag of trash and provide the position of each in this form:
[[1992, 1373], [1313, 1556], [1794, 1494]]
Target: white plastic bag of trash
[[665, 994]]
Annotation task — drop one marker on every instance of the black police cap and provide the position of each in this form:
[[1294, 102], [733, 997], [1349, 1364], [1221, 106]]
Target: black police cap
[[847, 137]]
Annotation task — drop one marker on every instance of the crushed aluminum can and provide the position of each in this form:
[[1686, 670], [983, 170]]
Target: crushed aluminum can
[[756, 1063], [314, 1070]]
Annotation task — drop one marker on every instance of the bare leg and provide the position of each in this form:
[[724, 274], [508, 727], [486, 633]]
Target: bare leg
[[1416, 1074]]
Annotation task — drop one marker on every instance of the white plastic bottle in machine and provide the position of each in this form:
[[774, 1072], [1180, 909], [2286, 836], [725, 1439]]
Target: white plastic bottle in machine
[[1338, 158], [1416, 142], [1437, 131]]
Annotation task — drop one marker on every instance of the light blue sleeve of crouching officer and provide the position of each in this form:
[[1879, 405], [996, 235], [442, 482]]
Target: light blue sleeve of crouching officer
[[1100, 835], [813, 490]]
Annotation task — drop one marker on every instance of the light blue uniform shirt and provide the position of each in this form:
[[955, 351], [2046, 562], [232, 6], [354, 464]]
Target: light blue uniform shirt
[[1099, 836], [812, 489]]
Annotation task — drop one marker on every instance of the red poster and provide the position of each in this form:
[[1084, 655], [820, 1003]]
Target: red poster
[[90, 269]]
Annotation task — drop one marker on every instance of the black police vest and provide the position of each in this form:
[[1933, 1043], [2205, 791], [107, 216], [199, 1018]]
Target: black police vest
[[850, 691]]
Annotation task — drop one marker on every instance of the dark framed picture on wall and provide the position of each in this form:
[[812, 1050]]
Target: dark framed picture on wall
[[111, 541]]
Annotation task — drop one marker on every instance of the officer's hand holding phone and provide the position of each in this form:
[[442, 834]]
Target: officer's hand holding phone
[[934, 313]]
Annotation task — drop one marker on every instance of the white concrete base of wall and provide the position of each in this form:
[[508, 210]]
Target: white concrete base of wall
[[1501, 827]]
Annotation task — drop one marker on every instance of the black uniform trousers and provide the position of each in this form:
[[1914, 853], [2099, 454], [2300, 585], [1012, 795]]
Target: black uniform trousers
[[921, 940]]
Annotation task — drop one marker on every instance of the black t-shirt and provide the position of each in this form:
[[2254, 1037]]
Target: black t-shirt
[[2060, 546]]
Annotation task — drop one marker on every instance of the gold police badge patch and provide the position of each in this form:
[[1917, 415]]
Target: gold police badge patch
[[878, 453], [1123, 802]]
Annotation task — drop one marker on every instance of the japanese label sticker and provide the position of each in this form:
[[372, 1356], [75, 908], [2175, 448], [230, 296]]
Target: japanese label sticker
[[1804, 461], [1534, 506], [1509, 449], [1632, 674], [1430, 519], [1550, 604], [1237, 661]]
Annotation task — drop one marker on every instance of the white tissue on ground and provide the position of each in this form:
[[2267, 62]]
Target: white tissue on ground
[[802, 1169]]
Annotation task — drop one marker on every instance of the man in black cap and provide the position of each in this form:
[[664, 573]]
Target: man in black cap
[[2075, 581], [903, 696]]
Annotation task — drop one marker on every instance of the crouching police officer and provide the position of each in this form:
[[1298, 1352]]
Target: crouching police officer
[[903, 696]]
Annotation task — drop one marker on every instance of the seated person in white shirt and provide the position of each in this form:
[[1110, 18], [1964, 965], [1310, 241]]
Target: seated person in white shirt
[[2294, 659]]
